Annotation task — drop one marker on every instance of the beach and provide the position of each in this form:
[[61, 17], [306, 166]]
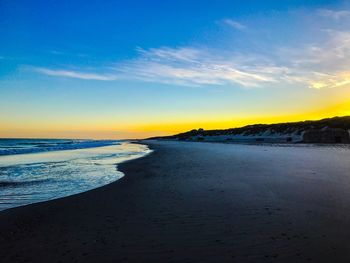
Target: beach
[[197, 202]]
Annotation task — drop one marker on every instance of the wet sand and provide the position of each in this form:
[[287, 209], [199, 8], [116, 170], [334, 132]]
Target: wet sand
[[197, 202]]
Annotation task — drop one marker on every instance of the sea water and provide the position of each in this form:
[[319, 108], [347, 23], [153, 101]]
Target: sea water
[[33, 170]]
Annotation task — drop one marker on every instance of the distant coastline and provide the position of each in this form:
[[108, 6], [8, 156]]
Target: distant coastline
[[330, 130]]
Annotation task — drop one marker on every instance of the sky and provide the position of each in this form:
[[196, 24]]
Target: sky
[[134, 69]]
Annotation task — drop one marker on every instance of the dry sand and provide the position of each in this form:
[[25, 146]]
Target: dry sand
[[197, 202]]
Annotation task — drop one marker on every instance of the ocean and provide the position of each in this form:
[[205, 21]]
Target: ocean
[[36, 170]]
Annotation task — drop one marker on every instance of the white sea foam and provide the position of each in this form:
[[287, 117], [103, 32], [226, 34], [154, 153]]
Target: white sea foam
[[35, 177]]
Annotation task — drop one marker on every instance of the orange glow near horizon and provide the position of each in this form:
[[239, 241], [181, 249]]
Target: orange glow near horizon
[[138, 129], [150, 130]]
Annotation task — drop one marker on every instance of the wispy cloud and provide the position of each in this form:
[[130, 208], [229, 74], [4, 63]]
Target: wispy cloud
[[326, 64], [75, 74], [320, 63], [235, 24], [193, 67], [334, 14]]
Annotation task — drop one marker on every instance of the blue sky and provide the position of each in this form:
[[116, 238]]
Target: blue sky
[[138, 68]]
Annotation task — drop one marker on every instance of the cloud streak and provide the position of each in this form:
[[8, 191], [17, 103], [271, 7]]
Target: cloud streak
[[334, 14], [321, 63], [75, 74], [191, 66], [235, 24], [315, 65]]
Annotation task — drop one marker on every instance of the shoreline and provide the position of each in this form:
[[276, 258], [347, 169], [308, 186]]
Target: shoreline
[[197, 203], [36, 177]]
